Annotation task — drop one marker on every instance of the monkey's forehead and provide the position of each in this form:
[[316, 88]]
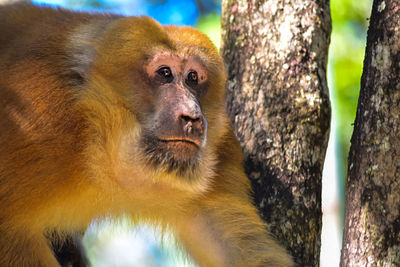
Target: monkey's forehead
[[188, 36], [177, 56], [192, 40]]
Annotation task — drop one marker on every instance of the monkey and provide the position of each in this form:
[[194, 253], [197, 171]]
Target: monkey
[[103, 115]]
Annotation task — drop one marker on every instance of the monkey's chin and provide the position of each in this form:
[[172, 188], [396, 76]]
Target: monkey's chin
[[173, 154]]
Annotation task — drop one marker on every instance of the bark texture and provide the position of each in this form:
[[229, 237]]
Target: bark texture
[[277, 98], [372, 219]]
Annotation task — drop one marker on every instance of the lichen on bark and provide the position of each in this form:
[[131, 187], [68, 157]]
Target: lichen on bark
[[277, 98]]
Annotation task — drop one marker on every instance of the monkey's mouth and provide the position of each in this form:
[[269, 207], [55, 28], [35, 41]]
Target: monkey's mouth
[[181, 149], [181, 141], [175, 153]]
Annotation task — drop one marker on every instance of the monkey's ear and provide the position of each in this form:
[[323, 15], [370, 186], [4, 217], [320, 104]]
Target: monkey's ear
[[82, 46]]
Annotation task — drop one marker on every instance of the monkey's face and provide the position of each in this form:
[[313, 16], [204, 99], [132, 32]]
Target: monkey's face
[[172, 80], [176, 134]]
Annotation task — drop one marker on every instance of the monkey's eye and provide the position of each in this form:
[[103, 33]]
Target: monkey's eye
[[166, 74], [192, 78]]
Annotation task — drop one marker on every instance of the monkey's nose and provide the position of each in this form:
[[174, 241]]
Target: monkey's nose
[[192, 124]]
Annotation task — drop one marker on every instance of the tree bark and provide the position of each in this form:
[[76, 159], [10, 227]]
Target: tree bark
[[372, 219], [277, 99]]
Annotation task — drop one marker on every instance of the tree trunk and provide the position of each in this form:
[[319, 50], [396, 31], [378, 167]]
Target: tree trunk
[[372, 219], [277, 98]]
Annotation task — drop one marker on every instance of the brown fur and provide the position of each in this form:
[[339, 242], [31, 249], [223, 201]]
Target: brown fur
[[73, 104]]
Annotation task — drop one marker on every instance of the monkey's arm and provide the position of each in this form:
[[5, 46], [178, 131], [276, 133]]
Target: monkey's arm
[[19, 248], [228, 232], [224, 229]]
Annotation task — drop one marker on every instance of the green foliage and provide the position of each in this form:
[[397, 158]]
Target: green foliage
[[346, 55], [348, 10]]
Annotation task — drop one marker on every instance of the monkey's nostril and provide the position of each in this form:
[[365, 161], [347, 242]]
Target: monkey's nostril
[[192, 124], [192, 119], [186, 118]]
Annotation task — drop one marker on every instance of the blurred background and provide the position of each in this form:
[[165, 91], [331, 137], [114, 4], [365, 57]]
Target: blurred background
[[120, 244]]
